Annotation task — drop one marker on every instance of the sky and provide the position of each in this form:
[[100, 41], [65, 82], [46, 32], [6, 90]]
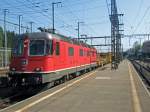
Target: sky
[[92, 13]]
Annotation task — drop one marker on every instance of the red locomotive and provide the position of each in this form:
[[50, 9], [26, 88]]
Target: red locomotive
[[43, 57]]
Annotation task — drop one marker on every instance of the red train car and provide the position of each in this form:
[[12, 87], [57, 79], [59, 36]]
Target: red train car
[[44, 57]]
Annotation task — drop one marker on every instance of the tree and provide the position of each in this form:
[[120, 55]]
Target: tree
[[10, 36], [136, 48]]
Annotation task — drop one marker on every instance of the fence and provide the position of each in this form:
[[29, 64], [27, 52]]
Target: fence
[[5, 55]]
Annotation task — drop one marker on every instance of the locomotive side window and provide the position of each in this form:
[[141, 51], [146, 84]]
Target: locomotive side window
[[88, 53], [85, 53], [71, 51], [57, 48], [37, 47], [81, 52], [49, 47], [93, 53]]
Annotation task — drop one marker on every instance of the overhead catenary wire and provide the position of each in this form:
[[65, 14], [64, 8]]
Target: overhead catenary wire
[[9, 19], [21, 10], [138, 11], [42, 13], [136, 16], [46, 15], [107, 5], [35, 21], [35, 7], [13, 23], [141, 20]]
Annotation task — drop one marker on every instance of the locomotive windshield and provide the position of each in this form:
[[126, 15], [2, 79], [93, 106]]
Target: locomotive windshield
[[41, 47], [18, 46], [37, 47]]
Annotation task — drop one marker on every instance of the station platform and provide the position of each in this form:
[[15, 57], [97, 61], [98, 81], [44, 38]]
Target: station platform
[[102, 90]]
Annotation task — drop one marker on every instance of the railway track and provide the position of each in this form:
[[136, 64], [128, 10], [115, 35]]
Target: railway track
[[10, 97], [3, 77], [7, 101], [7, 98], [144, 72]]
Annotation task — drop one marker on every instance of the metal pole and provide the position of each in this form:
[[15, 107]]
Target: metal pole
[[129, 41], [5, 38], [22, 29], [27, 29], [115, 35], [53, 16], [78, 30], [112, 35], [140, 41], [2, 59], [90, 54], [31, 25], [122, 51], [19, 24]]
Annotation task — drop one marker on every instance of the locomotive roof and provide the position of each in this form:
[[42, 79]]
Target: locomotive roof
[[46, 35]]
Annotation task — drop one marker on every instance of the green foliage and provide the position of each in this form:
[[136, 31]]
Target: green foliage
[[10, 36], [136, 47]]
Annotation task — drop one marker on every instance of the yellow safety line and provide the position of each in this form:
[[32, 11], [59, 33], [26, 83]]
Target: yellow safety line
[[52, 94], [135, 98]]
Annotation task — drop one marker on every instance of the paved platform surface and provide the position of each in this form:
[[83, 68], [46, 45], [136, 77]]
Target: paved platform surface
[[102, 90]]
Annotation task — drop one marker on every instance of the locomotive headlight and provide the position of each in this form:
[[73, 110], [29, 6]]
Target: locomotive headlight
[[24, 62], [13, 69], [37, 69]]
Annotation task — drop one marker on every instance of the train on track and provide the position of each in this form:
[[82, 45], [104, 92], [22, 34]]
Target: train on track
[[146, 54], [146, 49], [43, 57], [143, 55], [103, 58]]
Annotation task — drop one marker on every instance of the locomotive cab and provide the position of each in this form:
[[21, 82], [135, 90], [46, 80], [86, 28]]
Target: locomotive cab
[[31, 56]]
